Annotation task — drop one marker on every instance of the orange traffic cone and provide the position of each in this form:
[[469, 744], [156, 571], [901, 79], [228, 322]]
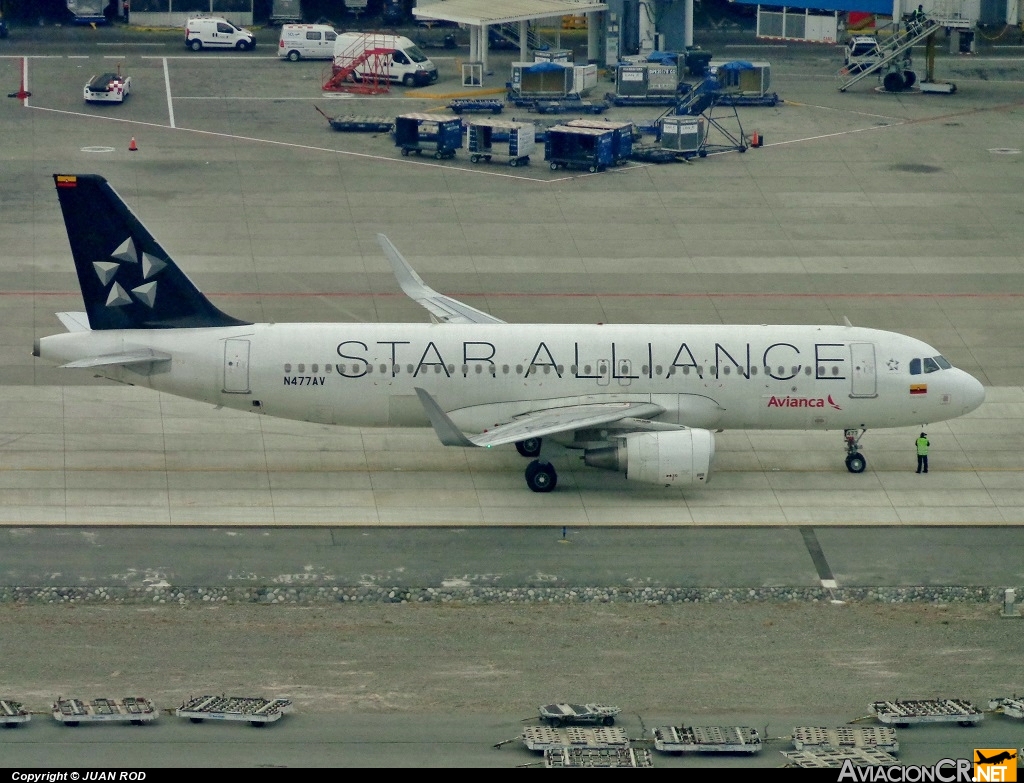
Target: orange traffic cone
[[755, 139], [132, 146]]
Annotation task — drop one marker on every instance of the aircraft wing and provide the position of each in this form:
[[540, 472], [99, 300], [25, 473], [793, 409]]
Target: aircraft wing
[[140, 356], [535, 424], [443, 308]]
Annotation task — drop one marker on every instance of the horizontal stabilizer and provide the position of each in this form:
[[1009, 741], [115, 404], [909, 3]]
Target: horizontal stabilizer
[[75, 322], [140, 356], [443, 308], [535, 424]]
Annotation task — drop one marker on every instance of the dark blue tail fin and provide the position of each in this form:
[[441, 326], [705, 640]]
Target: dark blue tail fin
[[128, 281]]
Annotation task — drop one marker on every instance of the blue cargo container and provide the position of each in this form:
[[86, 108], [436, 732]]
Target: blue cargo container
[[586, 148], [437, 133], [623, 134]]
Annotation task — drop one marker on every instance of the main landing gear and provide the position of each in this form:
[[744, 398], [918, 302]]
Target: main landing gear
[[855, 462], [540, 474]]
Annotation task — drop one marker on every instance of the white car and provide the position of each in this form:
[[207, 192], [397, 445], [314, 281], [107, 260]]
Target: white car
[[107, 88]]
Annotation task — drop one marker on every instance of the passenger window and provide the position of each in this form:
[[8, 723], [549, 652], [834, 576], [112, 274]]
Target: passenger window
[[915, 366], [302, 369], [930, 365], [400, 58], [224, 28], [315, 369], [288, 368]]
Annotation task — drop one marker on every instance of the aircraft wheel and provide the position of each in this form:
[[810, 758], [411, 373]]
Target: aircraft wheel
[[855, 463], [893, 82], [608, 721], [541, 476], [529, 447]]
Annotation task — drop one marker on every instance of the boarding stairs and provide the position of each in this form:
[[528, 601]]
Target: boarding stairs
[[510, 32], [349, 75], [892, 51]]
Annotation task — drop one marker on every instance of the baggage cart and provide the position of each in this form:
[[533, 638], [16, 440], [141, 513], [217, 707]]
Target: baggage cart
[[433, 133], [623, 136], [12, 713], [518, 137], [585, 148], [131, 709], [568, 105], [254, 710], [902, 713], [492, 105]]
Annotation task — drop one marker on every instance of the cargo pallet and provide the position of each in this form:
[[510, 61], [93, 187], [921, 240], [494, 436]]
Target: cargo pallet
[[876, 737], [12, 714], [1011, 707], [547, 738], [621, 758], [134, 710], [707, 739], [904, 713], [833, 758], [250, 709]]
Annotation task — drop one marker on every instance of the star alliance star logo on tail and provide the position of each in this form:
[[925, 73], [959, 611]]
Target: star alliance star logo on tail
[[143, 266]]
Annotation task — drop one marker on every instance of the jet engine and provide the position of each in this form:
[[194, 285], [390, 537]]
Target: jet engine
[[681, 458]]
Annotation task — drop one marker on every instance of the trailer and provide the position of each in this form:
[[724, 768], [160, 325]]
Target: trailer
[[12, 714], [492, 105], [835, 758], [623, 136], [622, 758], [904, 713], [359, 123], [707, 739], [1010, 706], [583, 148], [436, 133], [518, 137], [578, 714], [249, 709], [135, 710], [877, 737], [541, 738]]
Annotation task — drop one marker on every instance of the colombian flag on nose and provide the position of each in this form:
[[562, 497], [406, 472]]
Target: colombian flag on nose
[[919, 388]]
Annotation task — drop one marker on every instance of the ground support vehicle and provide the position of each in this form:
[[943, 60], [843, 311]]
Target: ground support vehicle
[[707, 739], [460, 105], [578, 714], [584, 148], [12, 714], [107, 88], [878, 737], [482, 136], [216, 33], [566, 106], [904, 713], [546, 737], [435, 133], [359, 124], [249, 709], [591, 758], [1010, 706], [132, 709]]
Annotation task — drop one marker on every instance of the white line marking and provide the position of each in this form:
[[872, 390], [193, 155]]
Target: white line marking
[[167, 88]]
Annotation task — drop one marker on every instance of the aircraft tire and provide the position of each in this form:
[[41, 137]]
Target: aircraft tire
[[609, 721], [541, 476], [529, 447], [855, 463]]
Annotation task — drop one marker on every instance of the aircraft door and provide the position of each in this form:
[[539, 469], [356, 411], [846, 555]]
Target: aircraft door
[[236, 366], [603, 372], [862, 360], [624, 372]]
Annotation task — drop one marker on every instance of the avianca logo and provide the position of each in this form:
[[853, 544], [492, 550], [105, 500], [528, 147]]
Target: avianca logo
[[802, 402]]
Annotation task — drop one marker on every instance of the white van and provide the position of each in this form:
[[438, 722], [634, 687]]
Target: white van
[[406, 63], [216, 33], [310, 41]]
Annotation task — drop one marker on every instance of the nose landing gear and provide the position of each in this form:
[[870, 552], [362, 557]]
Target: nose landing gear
[[855, 462]]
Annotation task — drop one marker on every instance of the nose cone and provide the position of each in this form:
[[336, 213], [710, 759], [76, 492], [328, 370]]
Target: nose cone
[[973, 393]]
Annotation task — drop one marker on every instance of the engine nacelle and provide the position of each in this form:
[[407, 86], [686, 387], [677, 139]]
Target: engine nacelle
[[681, 458]]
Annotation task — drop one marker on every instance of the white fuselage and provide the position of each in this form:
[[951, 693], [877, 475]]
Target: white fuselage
[[708, 376]]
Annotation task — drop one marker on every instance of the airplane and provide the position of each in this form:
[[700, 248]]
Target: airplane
[[1005, 755], [635, 398]]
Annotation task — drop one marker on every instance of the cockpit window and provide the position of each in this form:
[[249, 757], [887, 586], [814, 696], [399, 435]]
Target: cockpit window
[[929, 364]]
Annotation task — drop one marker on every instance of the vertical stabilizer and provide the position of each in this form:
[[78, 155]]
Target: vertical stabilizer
[[128, 281]]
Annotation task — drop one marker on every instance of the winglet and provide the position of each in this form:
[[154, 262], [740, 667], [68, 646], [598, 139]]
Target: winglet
[[443, 308], [447, 432]]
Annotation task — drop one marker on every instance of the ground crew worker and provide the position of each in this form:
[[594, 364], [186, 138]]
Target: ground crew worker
[[126, 7], [922, 453]]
